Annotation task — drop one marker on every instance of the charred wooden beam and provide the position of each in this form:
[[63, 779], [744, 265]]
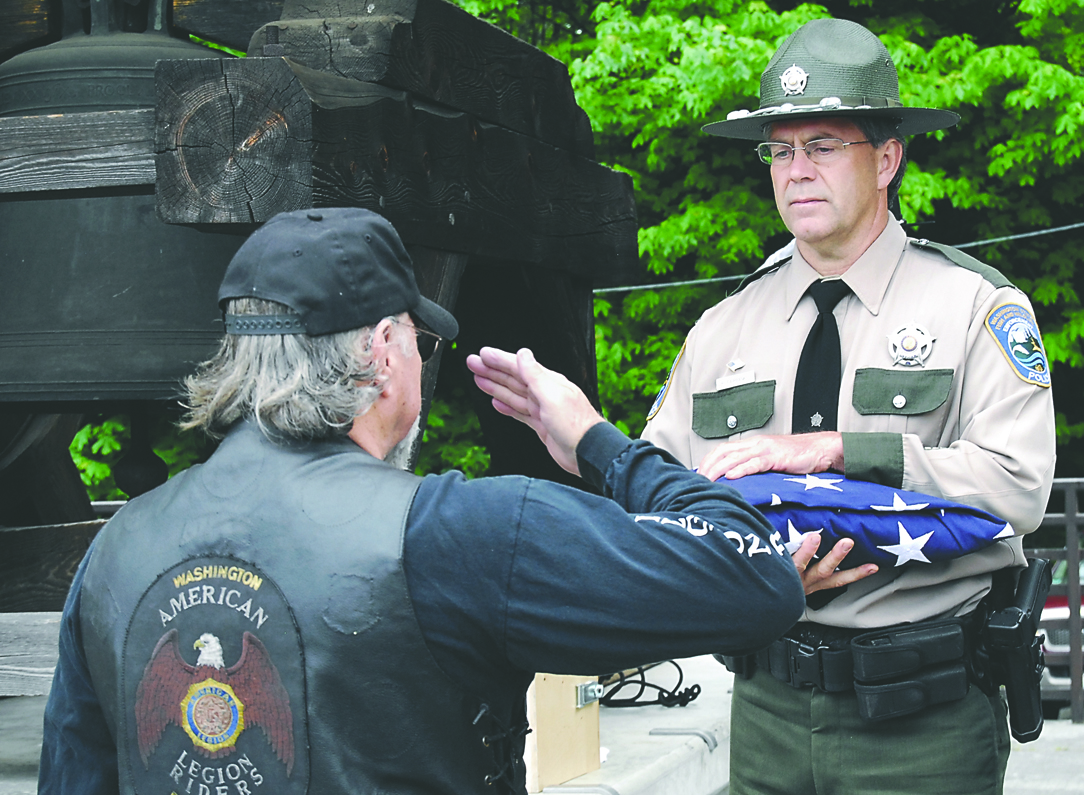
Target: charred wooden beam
[[229, 22], [447, 180], [431, 48], [234, 140]]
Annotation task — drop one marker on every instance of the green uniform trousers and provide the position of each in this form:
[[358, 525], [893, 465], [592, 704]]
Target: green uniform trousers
[[788, 741]]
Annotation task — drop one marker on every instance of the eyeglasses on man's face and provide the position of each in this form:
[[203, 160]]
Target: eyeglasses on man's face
[[819, 152], [428, 341]]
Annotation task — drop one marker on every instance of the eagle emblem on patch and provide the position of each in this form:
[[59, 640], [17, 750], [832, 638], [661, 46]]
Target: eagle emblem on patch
[[213, 704], [1017, 335]]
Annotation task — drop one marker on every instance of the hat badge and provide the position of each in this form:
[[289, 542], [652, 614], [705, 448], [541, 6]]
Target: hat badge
[[793, 80]]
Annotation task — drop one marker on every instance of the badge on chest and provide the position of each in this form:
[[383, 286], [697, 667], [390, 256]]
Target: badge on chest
[[910, 346]]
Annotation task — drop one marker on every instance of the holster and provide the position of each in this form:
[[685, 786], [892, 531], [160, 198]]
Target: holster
[[1015, 651]]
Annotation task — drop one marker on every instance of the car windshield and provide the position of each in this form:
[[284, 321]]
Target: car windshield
[[1061, 568]]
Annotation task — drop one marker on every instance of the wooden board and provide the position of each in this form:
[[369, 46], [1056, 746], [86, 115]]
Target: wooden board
[[564, 741], [76, 150], [28, 652], [37, 564]]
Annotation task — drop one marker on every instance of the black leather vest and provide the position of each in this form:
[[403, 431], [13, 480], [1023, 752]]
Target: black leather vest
[[249, 630]]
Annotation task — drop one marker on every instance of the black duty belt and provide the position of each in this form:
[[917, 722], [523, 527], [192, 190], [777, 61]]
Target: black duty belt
[[894, 671]]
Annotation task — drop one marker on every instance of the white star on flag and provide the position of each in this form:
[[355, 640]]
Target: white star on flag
[[776, 500], [908, 548], [814, 482], [899, 505], [1008, 532], [794, 538]]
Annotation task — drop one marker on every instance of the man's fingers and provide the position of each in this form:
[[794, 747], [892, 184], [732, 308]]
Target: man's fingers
[[499, 375], [836, 555], [826, 574], [497, 359], [510, 399], [847, 576], [803, 554]]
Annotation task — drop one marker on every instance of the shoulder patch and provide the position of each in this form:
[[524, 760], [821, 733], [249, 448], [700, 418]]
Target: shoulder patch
[[1017, 334], [661, 397], [954, 255]]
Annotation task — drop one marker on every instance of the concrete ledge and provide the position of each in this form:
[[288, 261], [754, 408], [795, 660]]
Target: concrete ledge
[[659, 750]]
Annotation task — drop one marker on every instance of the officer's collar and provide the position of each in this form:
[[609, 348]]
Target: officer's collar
[[868, 277]]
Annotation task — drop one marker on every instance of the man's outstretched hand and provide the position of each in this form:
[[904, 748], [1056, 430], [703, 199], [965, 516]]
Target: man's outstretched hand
[[554, 407], [825, 573]]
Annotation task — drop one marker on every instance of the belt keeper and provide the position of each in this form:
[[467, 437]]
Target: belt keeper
[[899, 651], [893, 700]]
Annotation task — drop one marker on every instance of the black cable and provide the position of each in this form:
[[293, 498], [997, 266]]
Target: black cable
[[638, 679]]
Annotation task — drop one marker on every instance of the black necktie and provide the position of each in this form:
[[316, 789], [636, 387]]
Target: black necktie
[[816, 384]]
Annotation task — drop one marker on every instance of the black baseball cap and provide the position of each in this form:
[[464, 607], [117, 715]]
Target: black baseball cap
[[339, 268]]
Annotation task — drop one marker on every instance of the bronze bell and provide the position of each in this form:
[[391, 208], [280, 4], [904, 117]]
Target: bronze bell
[[103, 307], [101, 301]]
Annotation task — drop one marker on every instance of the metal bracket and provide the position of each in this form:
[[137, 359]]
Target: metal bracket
[[588, 693]]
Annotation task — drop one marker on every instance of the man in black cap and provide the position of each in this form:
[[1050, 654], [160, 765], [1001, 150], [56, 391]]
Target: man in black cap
[[898, 361], [296, 615]]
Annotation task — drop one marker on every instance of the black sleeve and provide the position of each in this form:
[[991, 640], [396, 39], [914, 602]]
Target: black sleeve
[[528, 575]]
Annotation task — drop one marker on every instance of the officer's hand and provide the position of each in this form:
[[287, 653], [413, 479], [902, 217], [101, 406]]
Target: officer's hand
[[801, 454], [554, 407], [823, 573]]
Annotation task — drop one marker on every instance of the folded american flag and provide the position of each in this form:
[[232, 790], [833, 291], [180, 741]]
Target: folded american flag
[[890, 527]]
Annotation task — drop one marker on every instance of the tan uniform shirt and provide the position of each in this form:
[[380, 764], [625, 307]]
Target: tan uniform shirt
[[930, 401]]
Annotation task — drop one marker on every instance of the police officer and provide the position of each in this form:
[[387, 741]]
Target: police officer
[[893, 360], [296, 615]]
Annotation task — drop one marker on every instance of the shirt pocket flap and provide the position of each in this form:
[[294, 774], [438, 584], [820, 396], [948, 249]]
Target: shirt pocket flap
[[717, 415], [899, 391]]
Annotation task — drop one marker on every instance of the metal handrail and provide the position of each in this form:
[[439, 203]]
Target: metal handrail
[[1071, 520]]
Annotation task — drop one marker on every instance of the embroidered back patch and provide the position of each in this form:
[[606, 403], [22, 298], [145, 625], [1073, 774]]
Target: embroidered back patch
[[214, 684], [661, 397], [1017, 334]]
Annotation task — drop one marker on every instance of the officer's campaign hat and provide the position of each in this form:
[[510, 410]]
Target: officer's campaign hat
[[830, 67], [339, 268]]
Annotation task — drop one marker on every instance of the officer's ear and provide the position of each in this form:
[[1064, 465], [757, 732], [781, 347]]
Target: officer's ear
[[889, 156]]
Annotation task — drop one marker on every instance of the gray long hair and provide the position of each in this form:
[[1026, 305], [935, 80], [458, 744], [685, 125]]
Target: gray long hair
[[294, 386]]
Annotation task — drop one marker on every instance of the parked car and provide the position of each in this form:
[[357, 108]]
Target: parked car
[[1055, 684]]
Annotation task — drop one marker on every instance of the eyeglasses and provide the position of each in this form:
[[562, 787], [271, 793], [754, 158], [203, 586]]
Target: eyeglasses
[[428, 341], [823, 151]]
